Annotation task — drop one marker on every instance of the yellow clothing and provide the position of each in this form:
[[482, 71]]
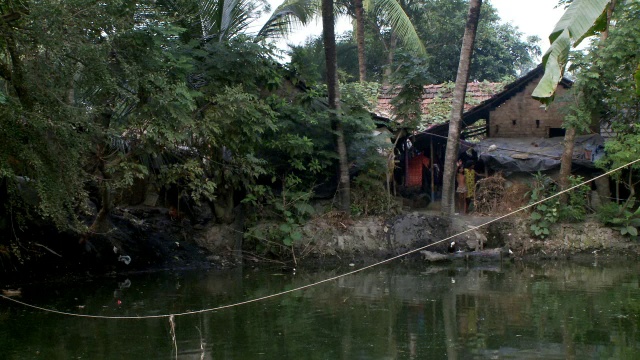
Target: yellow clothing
[[470, 181]]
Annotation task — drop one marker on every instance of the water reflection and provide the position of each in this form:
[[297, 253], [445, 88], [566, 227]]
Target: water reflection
[[548, 311]]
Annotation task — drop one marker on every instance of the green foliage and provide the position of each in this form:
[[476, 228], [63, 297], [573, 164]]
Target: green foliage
[[300, 156], [500, 49], [606, 74], [368, 146], [190, 178], [93, 101], [411, 76], [636, 76], [607, 89], [549, 212], [308, 60], [252, 65], [370, 196], [621, 218], [583, 18], [287, 211], [576, 207], [439, 110], [546, 213]]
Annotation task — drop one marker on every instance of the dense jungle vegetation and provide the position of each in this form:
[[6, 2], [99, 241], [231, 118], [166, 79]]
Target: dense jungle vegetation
[[97, 98]]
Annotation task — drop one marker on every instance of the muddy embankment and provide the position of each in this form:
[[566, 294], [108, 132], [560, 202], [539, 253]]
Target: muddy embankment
[[144, 239], [372, 239]]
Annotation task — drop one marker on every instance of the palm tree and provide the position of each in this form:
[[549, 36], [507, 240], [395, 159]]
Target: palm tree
[[328, 34], [457, 106], [362, 63], [302, 11]]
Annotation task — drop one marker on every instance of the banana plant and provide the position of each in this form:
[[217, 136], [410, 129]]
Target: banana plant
[[583, 18]]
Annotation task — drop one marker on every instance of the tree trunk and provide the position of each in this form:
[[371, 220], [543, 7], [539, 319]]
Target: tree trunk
[[328, 34], [15, 74], [570, 134], [362, 64], [393, 43], [448, 185], [101, 223], [602, 184], [566, 161]]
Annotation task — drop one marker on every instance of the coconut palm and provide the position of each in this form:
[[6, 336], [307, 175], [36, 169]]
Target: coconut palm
[[302, 11], [457, 107], [328, 35]]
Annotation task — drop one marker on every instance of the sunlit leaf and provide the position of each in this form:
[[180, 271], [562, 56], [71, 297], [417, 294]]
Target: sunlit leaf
[[581, 19]]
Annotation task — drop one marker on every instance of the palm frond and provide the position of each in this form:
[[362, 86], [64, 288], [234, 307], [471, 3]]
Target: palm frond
[[289, 14], [224, 19], [398, 20]]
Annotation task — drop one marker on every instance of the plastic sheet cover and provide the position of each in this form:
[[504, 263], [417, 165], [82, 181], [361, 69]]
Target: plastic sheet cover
[[510, 155]]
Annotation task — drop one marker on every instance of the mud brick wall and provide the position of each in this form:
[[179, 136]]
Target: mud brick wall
[[517, 116]]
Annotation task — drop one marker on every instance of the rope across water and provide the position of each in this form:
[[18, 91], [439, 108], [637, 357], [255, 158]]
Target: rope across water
[[261, 298]]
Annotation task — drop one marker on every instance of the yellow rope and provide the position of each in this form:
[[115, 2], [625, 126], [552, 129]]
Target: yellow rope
[[258, 299]]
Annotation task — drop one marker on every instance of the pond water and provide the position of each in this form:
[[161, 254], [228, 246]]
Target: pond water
[[555, 310]]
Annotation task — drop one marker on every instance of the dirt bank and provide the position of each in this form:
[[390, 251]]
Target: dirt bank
[[144, 239], [372, 239]]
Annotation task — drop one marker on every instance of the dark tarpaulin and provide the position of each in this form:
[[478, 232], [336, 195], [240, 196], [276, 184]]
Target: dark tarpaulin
[[510, 155]]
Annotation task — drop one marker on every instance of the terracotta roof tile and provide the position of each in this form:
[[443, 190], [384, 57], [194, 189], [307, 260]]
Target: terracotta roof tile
[[478, 91]]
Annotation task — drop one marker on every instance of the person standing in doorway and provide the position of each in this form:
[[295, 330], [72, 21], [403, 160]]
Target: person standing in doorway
[[470, 182]]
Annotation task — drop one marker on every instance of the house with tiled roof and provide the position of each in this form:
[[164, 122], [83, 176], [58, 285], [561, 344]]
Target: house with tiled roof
[[477, 92], [509, 115]]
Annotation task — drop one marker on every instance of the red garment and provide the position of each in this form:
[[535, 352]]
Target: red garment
[[414, 174]]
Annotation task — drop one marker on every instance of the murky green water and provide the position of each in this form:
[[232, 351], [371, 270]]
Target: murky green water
[[547, 311]]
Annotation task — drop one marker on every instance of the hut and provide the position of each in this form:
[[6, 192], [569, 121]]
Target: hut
[[503, 128]]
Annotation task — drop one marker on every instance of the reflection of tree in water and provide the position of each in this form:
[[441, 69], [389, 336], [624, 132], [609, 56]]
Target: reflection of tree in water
[[549, 311], [565, 311]]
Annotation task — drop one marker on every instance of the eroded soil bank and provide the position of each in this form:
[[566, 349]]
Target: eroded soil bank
[[148, 239], [376, 238]]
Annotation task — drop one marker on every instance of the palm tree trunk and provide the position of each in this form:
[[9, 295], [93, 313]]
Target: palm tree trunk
[[448, 185], [362, 64], [393, 43], [328, 34]]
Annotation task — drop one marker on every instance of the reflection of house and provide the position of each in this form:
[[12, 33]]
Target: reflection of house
[[513, 122]]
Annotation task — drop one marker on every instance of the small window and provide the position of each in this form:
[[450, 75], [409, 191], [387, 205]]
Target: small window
[[537, 123], [513, 122]]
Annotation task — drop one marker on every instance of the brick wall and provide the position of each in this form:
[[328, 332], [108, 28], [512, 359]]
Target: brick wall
[[522, 116]]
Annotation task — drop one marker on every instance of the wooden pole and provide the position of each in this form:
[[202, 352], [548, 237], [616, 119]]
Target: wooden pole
[[406, 161], [431, 154]]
